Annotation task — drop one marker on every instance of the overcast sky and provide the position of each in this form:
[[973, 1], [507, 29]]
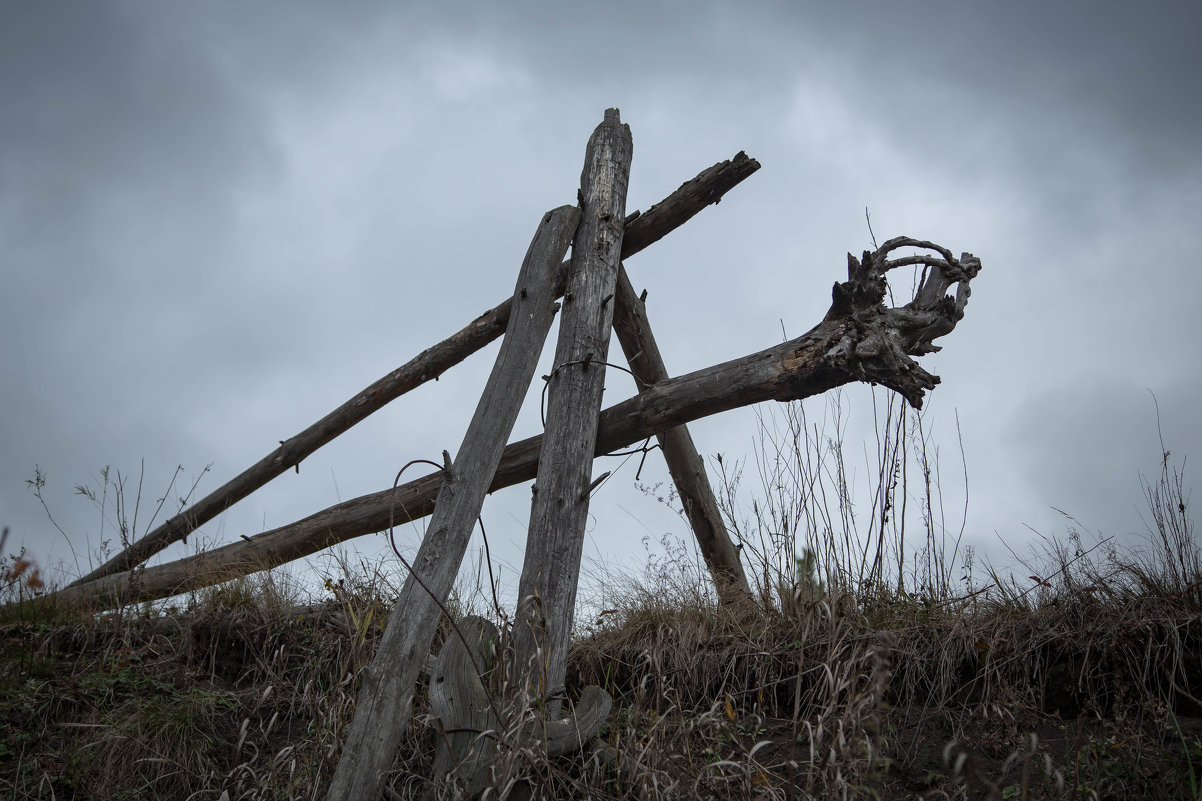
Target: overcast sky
[[218, 221]]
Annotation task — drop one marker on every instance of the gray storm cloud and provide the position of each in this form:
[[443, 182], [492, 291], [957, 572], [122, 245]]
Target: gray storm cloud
[[219, 221]]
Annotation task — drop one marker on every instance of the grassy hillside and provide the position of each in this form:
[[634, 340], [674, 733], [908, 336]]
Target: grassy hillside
[[846, 678], [1083, 694]]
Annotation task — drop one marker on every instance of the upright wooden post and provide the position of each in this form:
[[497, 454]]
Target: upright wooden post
[[547, 589], [382, 710], [685, 465]]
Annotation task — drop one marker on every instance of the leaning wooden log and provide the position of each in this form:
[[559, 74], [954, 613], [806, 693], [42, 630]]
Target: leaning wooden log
[[547, 590], [685, 464], [859, 340], [642, 230], [382, 711]]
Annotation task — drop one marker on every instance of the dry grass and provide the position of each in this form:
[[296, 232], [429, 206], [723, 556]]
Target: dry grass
[[985, 698], [861, 673]]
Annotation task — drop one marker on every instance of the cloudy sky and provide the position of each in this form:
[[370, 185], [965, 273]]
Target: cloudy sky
[[218, 221]]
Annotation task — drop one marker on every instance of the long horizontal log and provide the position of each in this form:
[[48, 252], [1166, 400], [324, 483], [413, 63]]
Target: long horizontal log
[[860, 340], [641, 231]]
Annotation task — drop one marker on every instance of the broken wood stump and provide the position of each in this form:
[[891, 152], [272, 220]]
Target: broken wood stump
[[476, 721]]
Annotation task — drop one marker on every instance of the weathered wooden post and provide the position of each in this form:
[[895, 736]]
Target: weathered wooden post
[[547, 589], [386, 694]]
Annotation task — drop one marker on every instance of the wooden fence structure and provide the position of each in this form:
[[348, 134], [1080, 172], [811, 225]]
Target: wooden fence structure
[[859, 339]]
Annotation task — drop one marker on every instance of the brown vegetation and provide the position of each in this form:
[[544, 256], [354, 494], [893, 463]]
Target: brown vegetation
[[853, 680]]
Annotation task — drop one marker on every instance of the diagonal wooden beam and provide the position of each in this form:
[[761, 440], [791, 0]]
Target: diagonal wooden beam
[[685, 464], [641, 231]]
